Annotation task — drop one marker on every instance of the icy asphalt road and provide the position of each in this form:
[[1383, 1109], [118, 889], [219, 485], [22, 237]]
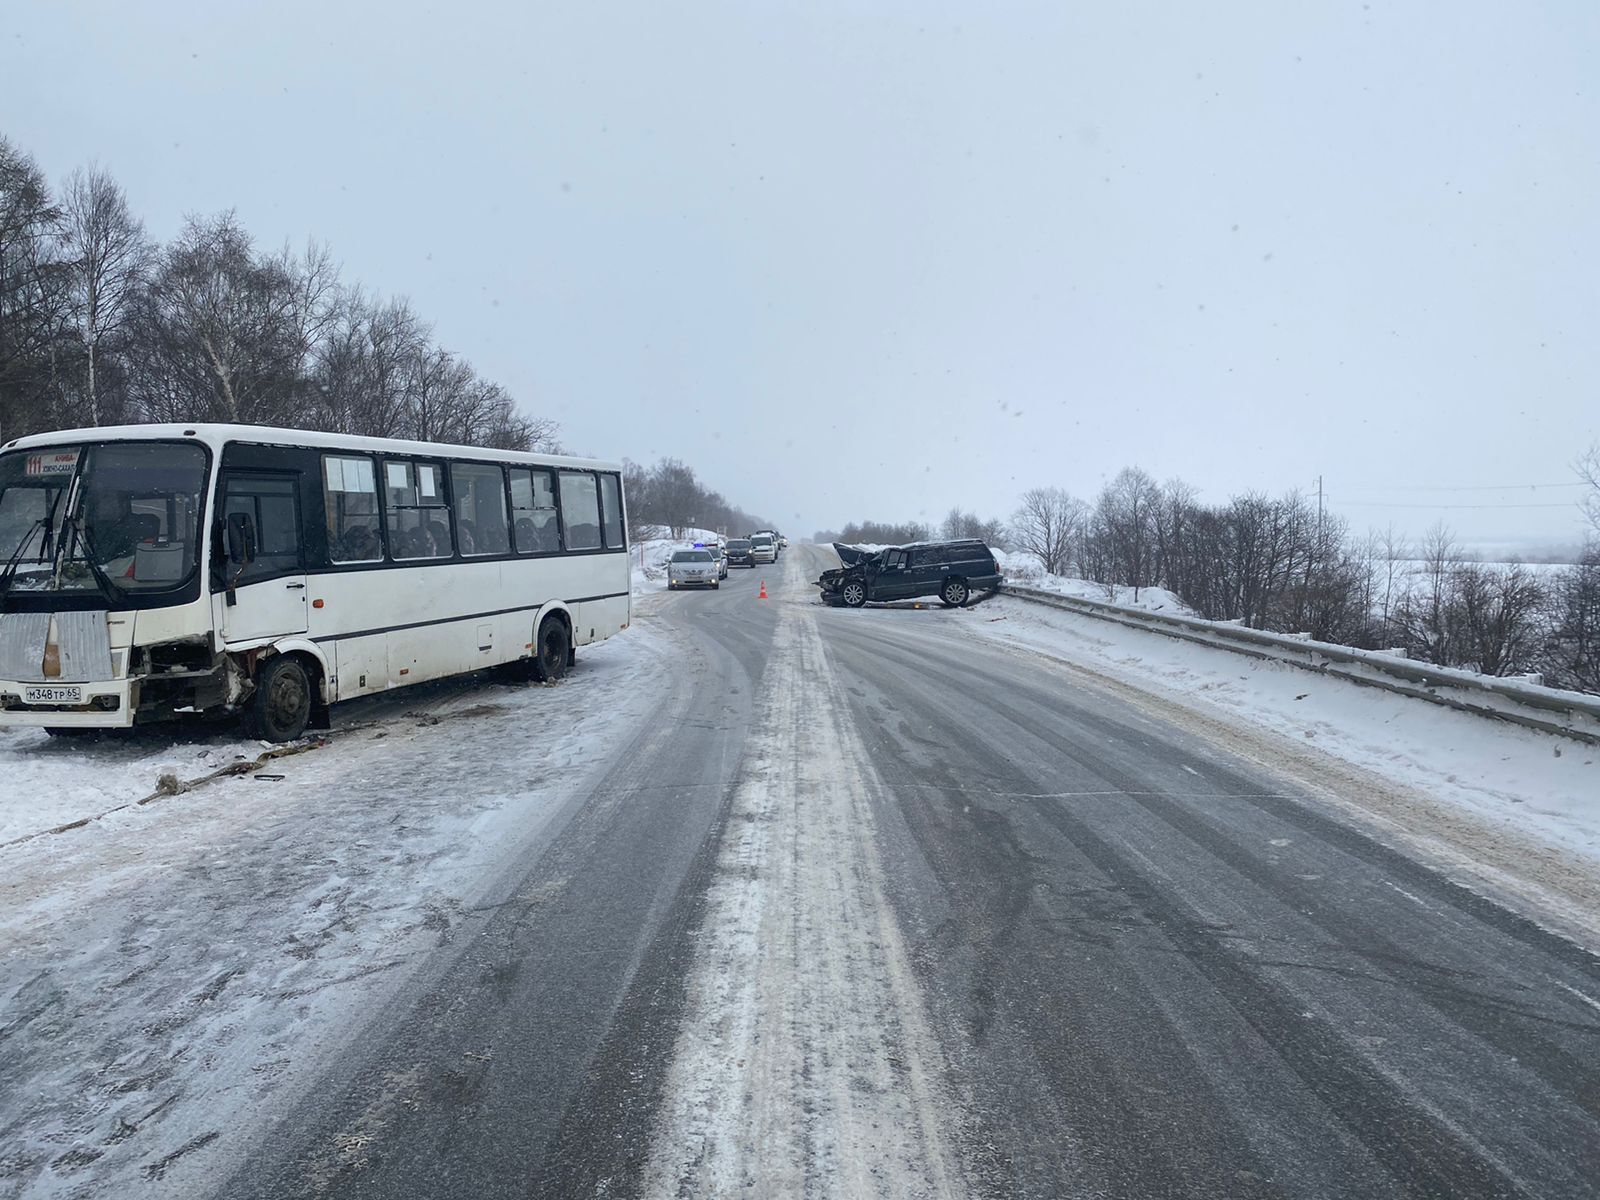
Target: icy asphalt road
[[790, 901]]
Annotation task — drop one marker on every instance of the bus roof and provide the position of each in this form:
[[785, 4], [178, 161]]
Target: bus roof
[[216, 436]]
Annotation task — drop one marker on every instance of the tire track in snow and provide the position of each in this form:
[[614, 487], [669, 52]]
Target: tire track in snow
[[805, 1065]]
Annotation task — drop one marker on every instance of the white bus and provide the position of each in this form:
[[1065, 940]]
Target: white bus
[[156, 570]]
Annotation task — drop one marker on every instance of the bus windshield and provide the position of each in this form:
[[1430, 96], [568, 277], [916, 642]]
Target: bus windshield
[[116, 518]]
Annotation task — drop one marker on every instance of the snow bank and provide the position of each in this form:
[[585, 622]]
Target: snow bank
[[1024, 569]]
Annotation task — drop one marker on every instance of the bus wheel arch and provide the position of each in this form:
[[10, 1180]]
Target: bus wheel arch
[[288, 691], [280, 706]]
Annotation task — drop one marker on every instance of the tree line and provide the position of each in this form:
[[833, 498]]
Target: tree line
[[957, 523], [1281, 563], [99, 325], [669, 496]]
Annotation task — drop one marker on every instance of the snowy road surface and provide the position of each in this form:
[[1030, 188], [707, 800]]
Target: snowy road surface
[[770, 899]]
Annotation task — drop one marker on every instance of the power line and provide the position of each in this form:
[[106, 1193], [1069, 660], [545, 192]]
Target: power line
[[1384, 504], [1476, 487]]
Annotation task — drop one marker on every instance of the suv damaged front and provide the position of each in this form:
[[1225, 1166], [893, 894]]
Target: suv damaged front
[[842, 584]]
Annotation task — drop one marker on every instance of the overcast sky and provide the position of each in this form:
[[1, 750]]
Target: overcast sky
[[875, 259]]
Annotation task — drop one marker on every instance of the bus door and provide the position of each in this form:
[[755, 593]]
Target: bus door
[[269, 591]]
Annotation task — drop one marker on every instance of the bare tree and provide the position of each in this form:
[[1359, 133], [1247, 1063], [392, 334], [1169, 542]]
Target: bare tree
[[1170, 524], [1393, 550], [1588, 468], [361, 366], [233, 327], [1045, 524], [1576, 639], [107, 256], [675, 495], [883, 533], [636, 489], [960, 524], [1425, 613], [1125, 514], [33, 294], [1494, 614]]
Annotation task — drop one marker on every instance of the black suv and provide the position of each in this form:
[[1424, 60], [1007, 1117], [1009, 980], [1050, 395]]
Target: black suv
[[738, 551], [952, 571]]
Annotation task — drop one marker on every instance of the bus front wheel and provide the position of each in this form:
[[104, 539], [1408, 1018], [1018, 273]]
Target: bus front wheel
[[280, 707], [553, 650]]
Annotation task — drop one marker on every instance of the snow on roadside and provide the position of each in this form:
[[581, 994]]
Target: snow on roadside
[[1024, 569], [174, 975], [51, 782], [1535, 785]]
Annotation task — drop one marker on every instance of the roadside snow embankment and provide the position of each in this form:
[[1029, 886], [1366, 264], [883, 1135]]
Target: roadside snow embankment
[[1024, 569]]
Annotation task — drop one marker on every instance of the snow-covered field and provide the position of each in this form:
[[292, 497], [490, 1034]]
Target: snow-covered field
[[174, 973]]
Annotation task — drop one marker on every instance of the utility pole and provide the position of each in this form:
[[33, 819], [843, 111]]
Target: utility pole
[[1319, 508]]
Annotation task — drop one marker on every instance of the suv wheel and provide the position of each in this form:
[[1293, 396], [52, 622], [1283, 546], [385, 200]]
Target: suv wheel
[[954, 593], [853, 593]]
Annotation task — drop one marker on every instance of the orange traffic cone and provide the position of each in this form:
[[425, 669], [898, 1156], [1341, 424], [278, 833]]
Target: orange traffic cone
[[763, 595]]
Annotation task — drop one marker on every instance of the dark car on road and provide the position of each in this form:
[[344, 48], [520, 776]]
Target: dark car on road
[[953, 571], [739, 552]]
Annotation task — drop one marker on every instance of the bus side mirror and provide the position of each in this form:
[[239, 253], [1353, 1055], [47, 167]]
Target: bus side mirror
[[241, 539]]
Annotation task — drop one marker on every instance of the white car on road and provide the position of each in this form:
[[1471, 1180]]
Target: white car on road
[[692, 568]]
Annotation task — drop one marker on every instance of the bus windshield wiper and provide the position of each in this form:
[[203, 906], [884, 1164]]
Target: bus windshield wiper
[[15, 560], [102, 582]]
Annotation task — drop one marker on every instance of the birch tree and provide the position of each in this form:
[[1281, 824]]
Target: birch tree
[[106, 256]]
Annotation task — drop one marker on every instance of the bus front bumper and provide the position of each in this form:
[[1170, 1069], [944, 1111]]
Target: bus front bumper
[[100, 704]]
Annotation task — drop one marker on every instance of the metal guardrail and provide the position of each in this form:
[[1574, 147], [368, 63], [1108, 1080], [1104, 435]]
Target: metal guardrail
[[1573, 714]]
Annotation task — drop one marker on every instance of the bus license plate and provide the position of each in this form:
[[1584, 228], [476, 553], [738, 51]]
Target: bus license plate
[[52, 695]]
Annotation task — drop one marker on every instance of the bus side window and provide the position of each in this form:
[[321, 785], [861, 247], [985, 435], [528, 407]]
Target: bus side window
[[533, 511], [350, 487], [415, 511], [580, 510], [611, 511], [482, 526]]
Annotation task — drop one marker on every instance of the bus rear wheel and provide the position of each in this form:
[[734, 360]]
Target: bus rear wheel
[[552, 651], [280, 708]]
